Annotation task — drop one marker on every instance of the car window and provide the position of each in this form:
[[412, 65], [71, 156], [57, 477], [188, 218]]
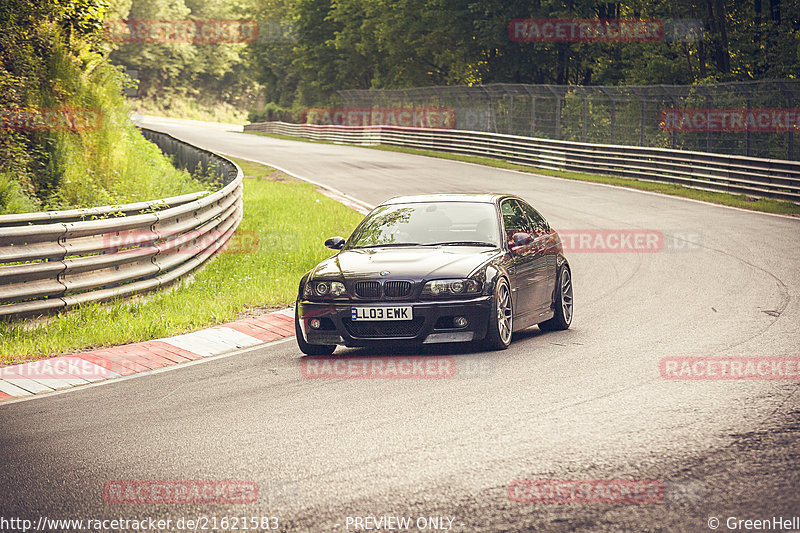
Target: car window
[[428, 223], [539, 223], [514, 218]]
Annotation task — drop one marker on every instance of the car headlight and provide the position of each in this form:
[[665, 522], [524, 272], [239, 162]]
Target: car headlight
[[323, 289], [451, 287]]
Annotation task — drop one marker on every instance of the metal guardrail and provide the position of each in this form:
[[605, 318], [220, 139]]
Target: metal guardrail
[[50, 261], [616, 114], [764, 178]]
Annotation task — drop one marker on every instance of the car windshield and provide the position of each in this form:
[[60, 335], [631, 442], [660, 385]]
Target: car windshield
[[429, 223]]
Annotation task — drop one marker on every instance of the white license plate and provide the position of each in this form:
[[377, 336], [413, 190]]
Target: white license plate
[[381, 313]]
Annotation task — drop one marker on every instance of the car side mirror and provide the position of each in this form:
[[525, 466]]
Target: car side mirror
[[335, 243], [519, 241]]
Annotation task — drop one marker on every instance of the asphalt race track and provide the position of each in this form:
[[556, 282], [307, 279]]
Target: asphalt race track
[[589, 403]]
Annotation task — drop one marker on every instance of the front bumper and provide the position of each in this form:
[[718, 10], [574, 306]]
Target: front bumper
[[430, 322]]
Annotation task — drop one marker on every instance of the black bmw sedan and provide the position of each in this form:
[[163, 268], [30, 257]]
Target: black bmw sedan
[[435, 269]]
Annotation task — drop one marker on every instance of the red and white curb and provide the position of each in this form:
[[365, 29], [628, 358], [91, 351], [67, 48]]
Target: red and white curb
[[57, 373]]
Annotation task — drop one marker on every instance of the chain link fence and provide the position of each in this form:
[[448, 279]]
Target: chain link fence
[[625, 115]]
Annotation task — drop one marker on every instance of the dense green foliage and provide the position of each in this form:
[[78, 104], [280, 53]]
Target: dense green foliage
[[170, 74], [51, 58], [328, 45], [398, 44], [53, 53]]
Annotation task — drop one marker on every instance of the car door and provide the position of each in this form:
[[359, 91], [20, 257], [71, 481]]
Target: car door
[[523, 265], [546, 259]]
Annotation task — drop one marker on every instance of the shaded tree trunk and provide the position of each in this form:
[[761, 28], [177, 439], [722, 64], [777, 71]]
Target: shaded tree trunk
[[701, 57], [775, 11], [715, 10], [562, 75]]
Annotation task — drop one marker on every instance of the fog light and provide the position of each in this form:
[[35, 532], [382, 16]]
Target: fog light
[[314, 323], [460, 321]]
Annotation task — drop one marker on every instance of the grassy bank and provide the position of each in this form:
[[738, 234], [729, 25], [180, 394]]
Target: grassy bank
[[174, 106], [733, 200], [81, 150], [289, 219]]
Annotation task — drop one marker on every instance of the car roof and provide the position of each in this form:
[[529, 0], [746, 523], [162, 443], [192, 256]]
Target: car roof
[[488, 198]]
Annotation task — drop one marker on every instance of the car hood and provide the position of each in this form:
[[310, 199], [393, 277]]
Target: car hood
[[412, 263]]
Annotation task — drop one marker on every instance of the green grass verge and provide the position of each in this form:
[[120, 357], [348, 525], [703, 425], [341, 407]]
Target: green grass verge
[[291, 222], [721, 198]]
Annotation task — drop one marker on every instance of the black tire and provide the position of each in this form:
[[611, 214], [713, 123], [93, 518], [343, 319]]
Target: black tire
[[501, 318], [306, 348], [563, 304]]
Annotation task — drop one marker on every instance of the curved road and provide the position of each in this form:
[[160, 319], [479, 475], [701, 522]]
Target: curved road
[[587, 403]]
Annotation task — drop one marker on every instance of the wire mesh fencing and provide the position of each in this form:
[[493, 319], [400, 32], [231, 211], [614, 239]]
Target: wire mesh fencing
[[757, 119]]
